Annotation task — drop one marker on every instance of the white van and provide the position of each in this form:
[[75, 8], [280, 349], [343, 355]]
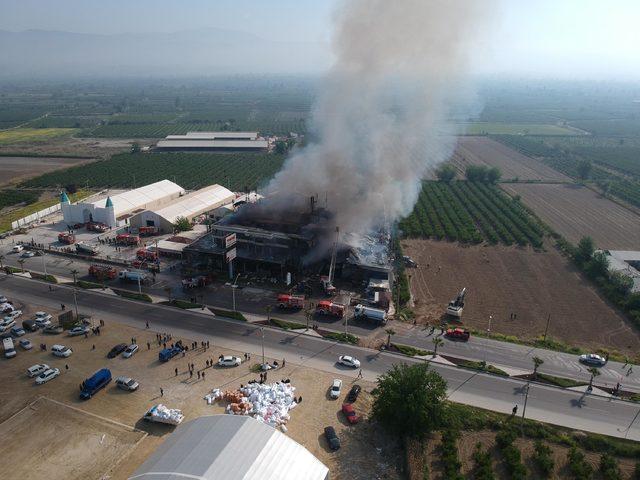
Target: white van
[[17, 248], [9, 350]]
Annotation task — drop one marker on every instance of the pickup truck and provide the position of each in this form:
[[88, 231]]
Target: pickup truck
[[161, 414], [168, 353]]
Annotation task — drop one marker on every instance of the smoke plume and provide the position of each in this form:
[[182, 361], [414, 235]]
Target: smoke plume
[[381, 117]]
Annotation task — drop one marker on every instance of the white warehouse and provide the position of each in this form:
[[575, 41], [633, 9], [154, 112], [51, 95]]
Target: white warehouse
[[115, 211], [189, 206]]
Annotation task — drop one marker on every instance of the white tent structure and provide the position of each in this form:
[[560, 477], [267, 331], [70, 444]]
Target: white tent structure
[[189, 206], [230, 447], [114, 211]]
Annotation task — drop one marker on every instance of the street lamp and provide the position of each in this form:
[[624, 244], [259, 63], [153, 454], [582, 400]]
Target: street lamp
[[233, 291], [262, 332], [75, 301], [524, 408]]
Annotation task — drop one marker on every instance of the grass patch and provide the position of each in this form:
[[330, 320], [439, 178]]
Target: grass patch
[[143, 297], [342, 337], [481, 366], [86, 285], [46, 278], [287, 325], [18, 135], [559, 381], [229, 314], [10, 269], [184, 304], [411, 351]]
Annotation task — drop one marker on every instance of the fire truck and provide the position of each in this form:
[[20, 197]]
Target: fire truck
[[147, 231], [327, 307], [103, 272], [144, 254], [97, 227], [290, 302], [68, 238], [127, 239]]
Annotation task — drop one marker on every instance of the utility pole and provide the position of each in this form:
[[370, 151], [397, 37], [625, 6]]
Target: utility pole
[[546, 329], [139, 287], [524, 409], [44, 265], [262, 331], [75, 301]]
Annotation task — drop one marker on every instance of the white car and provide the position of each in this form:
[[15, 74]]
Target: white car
[[43, 316], [61, 351], [42, 319], [37, 369], [26, 344], [6, 325], [349, 361], [28, 254], [17, 248], [6, 307], [80, 330], [336, 388], [13, 315], [126, 383], [593, 359], [47, 375], [229, 361], [3, 299], [130, 350]]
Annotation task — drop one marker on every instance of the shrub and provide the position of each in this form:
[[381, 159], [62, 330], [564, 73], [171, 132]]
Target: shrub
[[451, 464], [287, 325], [609, 467], [578, 466], [542, 459], [482, 468], [511, 454], [342, 337]]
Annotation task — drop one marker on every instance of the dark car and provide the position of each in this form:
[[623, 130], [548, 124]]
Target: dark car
[[332, 438], [117, 350], [352, 396], [29, 325], [53, 329]]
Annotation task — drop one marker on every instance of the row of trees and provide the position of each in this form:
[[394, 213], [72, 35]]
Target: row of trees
[[474, 173]]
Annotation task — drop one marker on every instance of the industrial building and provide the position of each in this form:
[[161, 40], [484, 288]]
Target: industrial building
[[188, 206], [214, 141], [115, 211], [230, 447]]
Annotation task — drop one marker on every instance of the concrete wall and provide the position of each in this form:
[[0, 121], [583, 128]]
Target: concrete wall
[[85, 212]]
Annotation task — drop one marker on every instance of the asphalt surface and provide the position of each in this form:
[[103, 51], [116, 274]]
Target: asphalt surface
[[600, 414]]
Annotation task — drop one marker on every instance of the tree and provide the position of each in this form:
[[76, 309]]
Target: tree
[[476, 173], [585, 250], [609, 468], [1, 259], [493, 174], [182, 224], [135, 147], [409, 401], [389, 332], [537, 361], [21, 262], [584, 169], [594, 373], [598, 266], [74, 272], [282, 147], [446, 172], [437, 341]]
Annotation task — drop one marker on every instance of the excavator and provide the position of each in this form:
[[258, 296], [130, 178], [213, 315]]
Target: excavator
[[455, 306]]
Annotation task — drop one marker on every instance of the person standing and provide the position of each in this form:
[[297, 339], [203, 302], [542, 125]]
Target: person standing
[[176, 371], [161, 392]]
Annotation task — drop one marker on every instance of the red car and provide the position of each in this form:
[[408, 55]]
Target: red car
[[350, 413], [458, 334]]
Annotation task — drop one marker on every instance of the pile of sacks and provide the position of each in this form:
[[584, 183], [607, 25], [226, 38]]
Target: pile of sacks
[[270, 403], [164, 414]]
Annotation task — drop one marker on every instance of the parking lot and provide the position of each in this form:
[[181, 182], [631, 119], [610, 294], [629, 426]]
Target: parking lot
[[182, 391]]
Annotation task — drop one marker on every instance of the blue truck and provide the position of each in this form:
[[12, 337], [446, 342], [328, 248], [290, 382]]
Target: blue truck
[[168, 353], [94, 383]]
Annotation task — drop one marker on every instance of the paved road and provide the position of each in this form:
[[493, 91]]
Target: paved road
[[566, 408]]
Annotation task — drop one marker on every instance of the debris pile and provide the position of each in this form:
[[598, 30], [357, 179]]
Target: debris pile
[[163, 414]]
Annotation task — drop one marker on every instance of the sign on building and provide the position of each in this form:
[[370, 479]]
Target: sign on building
[[230, 240], [230, 255]]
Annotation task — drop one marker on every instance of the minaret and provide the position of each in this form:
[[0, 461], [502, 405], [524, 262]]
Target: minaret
[[110, 213], [63, 198]]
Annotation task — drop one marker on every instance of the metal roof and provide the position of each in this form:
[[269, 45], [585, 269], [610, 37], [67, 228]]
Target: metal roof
[[141, 197], [214, 135], [203, 143], [196, 203], [230, 447]]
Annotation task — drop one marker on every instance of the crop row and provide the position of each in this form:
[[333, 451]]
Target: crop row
[[238, 171], [470, 212]]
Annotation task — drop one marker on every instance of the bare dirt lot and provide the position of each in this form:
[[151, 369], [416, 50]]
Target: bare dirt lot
[[366, 453], [505, 280], [513, 164], [575, 211], [68, 145], [15, 169]]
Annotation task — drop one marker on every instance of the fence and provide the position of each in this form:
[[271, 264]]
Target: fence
[[34, 217]]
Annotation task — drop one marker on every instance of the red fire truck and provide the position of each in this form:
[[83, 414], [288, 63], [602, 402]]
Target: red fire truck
[[68, 238], [144, 254], [103, 272], [147, 231], [290, 302], [327, 307], [127, 239]]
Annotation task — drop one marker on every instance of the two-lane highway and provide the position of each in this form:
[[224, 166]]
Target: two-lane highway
[[562, 407]]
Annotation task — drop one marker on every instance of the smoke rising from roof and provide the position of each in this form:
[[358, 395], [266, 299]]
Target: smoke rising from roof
[[380, 118]]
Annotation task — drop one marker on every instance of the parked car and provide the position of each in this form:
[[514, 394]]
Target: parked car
[[13, 314], [5, 325], [37, 369], [26, 344], [43, 315], [17, 248], [336, 388], [18, 331], [130, 350], [28, 254], [167, 354], [349, 361], [458, 334], [61, 351], [47, 375], [117, 350], [42, 319], [350, 413], [352, 396], [126, 383], [3, 299], [593, 359], [229, 361], [79, 330], [29, 325], [94, 383], [53, 329], [332, 438], [6, 307]]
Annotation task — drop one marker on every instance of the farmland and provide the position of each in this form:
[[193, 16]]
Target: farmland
[[575, 211], [190, 170], [21, 167], [20, 135], [491, 128], [503, 280], [513, 164], [470, 213]]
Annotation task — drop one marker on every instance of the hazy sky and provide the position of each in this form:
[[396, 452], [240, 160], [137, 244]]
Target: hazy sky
[[567, 38]]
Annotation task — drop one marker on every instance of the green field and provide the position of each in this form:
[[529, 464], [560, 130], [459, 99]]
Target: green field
[[471, 212], [237, 171], [19, 135], [488, 128], [9, 198]]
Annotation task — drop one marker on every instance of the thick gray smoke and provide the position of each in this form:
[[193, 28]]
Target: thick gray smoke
[[381, 117]]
